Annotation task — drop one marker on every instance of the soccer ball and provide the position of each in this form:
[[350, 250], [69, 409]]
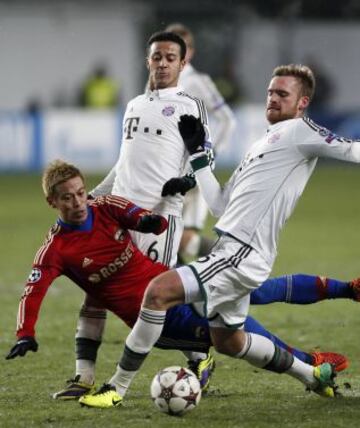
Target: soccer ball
[[175, 390]]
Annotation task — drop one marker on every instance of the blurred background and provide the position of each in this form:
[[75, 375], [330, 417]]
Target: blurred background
[[52, 52]]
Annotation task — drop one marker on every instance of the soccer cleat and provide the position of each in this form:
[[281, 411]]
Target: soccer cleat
[[203, 370], [325, 374], [355, 289], [338, 361], [104, 398], [74, 390]]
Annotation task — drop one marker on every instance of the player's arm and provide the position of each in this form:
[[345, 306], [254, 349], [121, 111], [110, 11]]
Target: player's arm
[[225, 127], [194, 136], [224, 119], [188, 181], [315, 141], [133, 217], [105, 186], [35, 290]]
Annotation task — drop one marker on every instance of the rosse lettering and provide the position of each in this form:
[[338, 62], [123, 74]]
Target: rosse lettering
[[114, 266]]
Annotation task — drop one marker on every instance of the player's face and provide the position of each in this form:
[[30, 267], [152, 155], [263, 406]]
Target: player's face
[[71, 201], [284, 99], [164, 65]]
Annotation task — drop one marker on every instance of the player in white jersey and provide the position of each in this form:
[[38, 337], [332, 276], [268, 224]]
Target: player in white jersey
[[151, 172], [222, 123], [253, 208]]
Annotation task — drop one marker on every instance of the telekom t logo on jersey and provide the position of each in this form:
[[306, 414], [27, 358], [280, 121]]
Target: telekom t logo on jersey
[[131, 125]]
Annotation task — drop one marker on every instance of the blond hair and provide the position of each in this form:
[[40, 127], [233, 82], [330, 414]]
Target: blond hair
[[58, 172], [302, 73], [182, 31]]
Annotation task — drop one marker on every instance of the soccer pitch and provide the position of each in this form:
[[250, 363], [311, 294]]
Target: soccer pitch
[[320, 238]]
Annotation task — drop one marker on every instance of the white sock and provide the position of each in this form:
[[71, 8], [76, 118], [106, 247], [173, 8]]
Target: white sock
[[193, 356], [86, 370], [139, 343], [122, 380], [146, 330], [259, 351], [303, 372]]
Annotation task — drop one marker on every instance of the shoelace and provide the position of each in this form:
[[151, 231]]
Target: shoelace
[[105, 388]]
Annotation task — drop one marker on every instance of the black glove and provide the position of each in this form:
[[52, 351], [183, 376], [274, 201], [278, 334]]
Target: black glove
[[178, 185], [192, 132], [22, 346], [151, 223]]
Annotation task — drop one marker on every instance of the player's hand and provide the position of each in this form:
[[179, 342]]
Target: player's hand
[[22, 346], [152, 223], [192, 132], [178, 185]]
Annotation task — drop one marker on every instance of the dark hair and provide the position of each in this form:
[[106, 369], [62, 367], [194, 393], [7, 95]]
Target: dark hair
[[303, 73], [167, 36]]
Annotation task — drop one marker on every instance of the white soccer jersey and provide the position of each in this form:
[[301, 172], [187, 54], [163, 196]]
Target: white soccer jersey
[[152, 149], [222, 119], [263, 191]]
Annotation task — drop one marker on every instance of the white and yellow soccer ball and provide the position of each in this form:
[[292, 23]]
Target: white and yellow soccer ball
[[175, 390]]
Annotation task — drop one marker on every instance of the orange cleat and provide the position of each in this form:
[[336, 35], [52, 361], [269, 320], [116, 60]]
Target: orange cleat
[[338, 361], [355, 288]]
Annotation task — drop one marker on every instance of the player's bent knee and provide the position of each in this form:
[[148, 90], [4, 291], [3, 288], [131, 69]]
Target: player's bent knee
[[164, 291], [228, 342]]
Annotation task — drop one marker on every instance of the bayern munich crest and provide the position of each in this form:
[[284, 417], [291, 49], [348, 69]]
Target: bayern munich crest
[[274, 138], [168, 111], [34, 276]]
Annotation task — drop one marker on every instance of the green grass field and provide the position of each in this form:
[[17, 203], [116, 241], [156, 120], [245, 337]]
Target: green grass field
[[322, 237]]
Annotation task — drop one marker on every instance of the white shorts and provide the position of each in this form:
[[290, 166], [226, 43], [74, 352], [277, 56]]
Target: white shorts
[[195, 210], [161, 248], [226, 277]]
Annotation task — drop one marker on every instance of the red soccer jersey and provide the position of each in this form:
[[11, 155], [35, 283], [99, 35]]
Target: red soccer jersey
[[99, 257]]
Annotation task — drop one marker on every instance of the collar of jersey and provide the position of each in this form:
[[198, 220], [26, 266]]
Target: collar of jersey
[[85, 227], [187, 70], [164, 93], [277, 125]]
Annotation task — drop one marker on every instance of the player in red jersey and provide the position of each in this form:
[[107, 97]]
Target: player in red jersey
[[90, 245]]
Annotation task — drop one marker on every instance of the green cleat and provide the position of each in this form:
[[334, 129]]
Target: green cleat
[[104, 398], [325, 374], [203, 369], [74, 390]]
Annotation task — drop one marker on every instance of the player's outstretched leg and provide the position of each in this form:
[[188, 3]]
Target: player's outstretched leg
[[339, 361], [260, 352], [304, 289]]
